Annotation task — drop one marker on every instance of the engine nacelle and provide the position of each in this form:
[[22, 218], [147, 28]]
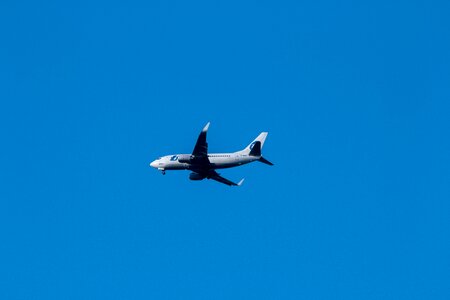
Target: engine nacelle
[[185, 158], [196, 176]]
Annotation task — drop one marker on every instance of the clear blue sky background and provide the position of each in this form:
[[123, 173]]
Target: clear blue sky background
[[355, 97]]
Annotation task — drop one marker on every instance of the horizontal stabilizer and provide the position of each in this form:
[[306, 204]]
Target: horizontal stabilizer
[[265, 161]]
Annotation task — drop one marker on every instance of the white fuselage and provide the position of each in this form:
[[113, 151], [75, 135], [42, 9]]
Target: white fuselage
[[217, 161]]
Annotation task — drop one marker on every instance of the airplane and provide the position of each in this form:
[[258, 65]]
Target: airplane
[[203, 165]]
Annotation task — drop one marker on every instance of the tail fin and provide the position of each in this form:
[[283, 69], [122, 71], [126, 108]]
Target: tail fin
[[255, 147]]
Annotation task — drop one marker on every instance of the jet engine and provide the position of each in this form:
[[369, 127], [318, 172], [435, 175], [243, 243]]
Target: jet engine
[[196, 176], [185, 158]]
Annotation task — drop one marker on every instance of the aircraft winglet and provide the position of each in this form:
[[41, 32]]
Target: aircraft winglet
[[205, 129], [240, 182]]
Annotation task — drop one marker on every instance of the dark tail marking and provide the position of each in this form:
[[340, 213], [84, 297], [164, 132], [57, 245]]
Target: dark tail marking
[[255, 149]]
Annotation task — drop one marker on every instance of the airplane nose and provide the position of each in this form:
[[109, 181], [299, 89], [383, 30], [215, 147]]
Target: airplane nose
[[153, 164]]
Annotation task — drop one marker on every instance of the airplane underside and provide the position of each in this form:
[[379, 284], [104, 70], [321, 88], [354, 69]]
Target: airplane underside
[[203, 165]]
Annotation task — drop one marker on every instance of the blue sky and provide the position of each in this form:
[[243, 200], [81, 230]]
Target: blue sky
[[355, 97]]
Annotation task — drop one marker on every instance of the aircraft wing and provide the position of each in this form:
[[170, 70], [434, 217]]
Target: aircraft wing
[[201, 147], [215, 176], [200, 152]]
